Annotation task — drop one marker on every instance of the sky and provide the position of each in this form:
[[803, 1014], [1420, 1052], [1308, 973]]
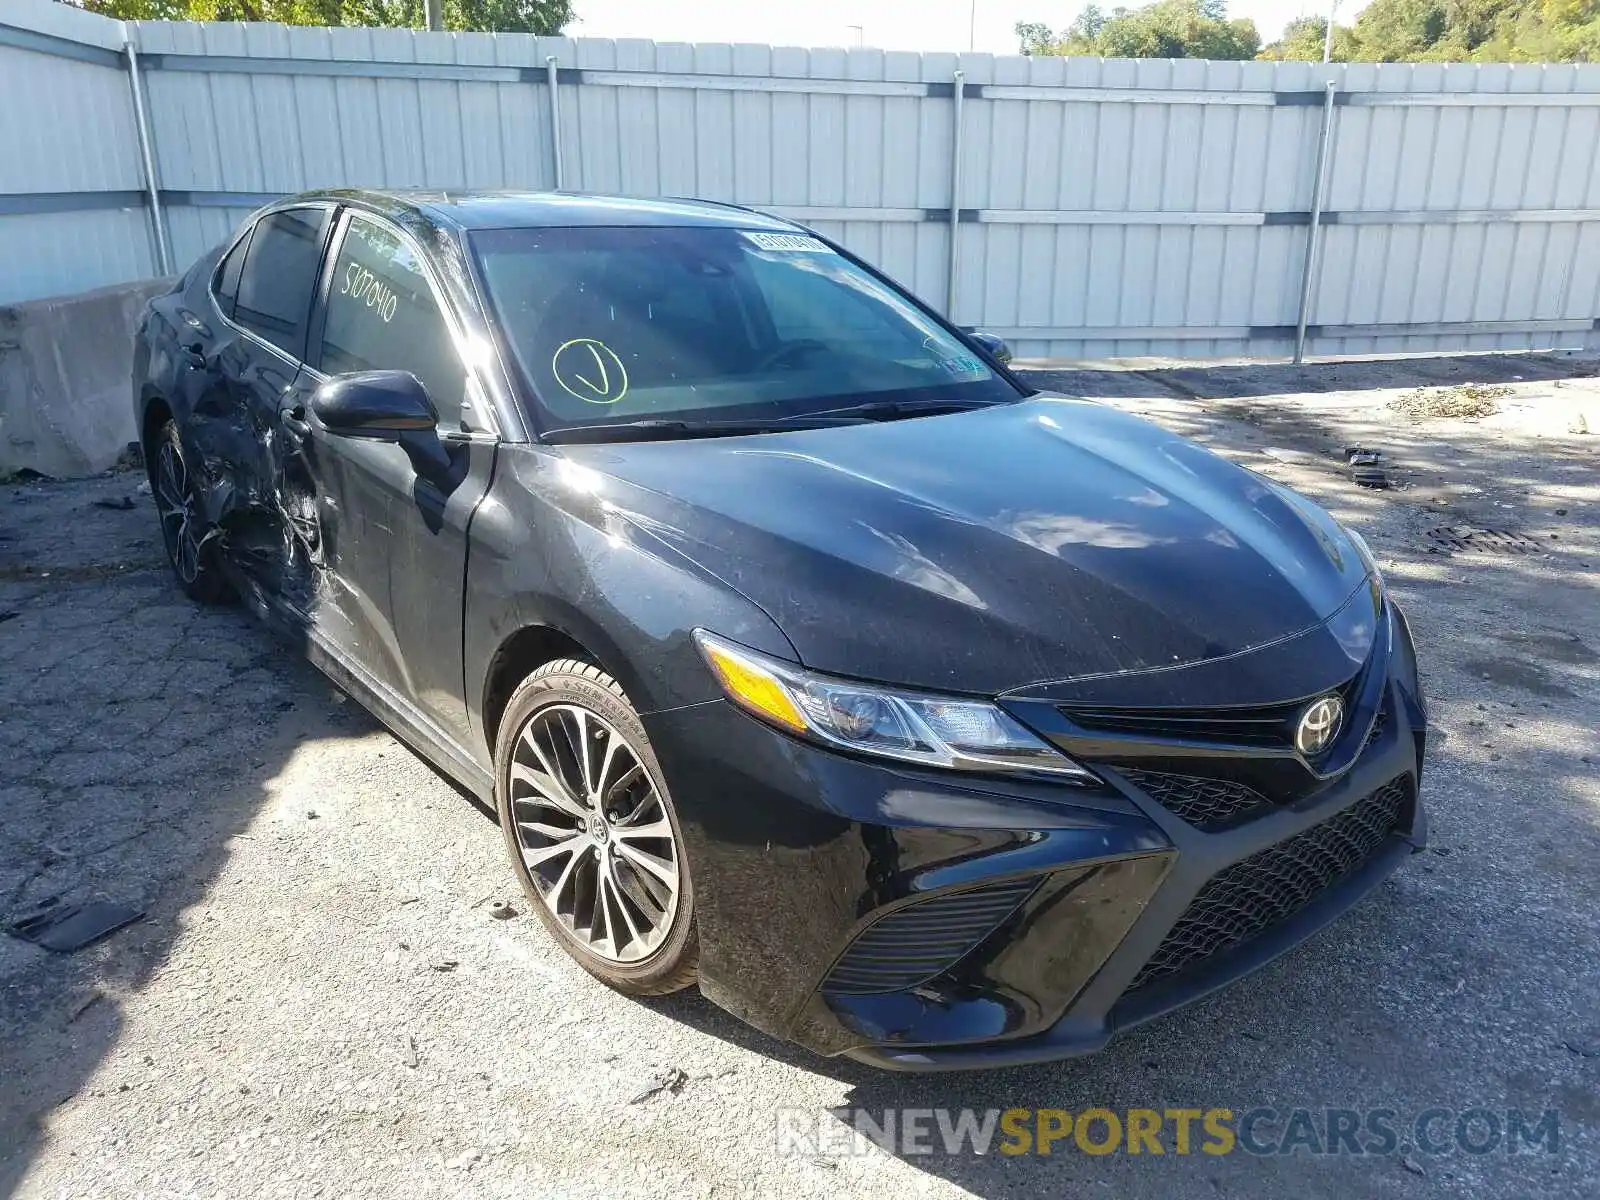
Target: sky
[[886, 24]]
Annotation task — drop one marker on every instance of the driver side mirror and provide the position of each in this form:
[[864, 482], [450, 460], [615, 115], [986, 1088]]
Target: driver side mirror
[[995, 345], [381, 405]]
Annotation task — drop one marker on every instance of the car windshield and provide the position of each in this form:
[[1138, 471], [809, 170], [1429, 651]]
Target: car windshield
[[679, 324]]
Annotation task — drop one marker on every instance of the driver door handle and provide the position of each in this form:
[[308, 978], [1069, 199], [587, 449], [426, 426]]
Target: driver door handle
[[294, 420]]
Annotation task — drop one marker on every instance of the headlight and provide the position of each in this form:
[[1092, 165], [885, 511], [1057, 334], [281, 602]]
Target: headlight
[[1365, 553], [937, 731]]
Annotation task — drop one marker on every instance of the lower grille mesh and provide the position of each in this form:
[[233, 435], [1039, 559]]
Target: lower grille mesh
[[1258, 892], [915, 943], [1204, 803]]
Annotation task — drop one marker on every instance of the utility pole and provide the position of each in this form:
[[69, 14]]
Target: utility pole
[[972, 25], [435, 15], [1327, 35]]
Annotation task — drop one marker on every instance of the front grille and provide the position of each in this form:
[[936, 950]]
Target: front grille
[[1266, 726], [1208, 804], [1273, 885], [1261, 725], [913, 944]]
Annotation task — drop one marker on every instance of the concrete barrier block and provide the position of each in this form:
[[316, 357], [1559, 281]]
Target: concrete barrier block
[[65, 378]]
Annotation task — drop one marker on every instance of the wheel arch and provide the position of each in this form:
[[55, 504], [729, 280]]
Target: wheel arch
[[155, 412], [518, 656]]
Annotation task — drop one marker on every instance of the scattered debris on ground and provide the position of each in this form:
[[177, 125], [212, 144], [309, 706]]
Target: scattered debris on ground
[[1467, 401], [85, 1005], [670, 1080], [65, 928], [1367, 467]]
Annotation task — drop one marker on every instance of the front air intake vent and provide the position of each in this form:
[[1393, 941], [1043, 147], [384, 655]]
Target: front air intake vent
[[1271, 886], [915, 943]]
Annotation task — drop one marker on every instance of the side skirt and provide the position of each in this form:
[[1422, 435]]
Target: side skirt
[[399, 715]]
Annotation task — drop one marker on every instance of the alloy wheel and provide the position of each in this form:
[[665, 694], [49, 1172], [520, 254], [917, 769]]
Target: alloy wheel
[[175, 505], [593, 833]]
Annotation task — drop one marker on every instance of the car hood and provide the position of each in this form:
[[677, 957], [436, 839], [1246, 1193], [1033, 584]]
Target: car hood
[[989, 550]]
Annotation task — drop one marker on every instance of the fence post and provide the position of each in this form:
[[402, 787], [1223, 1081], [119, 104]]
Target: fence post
[[955, 195], [1313, 241], [552, 77], [141, 120]]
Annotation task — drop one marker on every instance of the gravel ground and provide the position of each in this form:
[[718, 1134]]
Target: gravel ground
[[319, 1002]]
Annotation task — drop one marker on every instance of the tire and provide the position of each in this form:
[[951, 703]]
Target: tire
[[191, 556], [595, 842]]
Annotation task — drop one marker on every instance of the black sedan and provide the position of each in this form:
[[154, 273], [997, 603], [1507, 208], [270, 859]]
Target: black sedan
[[804, 651]]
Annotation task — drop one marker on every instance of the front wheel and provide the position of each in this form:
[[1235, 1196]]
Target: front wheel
[[593, 834]]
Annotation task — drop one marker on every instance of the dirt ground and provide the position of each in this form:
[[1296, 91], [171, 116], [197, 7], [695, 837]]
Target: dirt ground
[[320, 1003]]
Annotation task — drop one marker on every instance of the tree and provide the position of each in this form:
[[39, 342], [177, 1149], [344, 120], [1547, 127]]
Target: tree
[[1386, 31], [1455, 31], [499, 16], [1165, 29], [1034, 38], [1302, 41]]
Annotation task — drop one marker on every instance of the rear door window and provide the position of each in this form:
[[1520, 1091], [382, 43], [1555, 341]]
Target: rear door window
[[226, 282], [382, 314], [280, 272]]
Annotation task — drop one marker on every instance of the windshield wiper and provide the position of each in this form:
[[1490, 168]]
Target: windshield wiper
[[890, 410], [660, 429]]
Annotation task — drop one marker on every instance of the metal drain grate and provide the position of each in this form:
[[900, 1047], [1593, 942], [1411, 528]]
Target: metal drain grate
[[1471, 539]]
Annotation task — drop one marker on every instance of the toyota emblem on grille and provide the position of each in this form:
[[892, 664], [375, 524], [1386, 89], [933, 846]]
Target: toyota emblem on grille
[[1319, 725]]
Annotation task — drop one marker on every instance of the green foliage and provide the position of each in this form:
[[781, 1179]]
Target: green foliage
[[1455, 31], [1165, 29], [1386, 31], [500, 16], [1302, 42]]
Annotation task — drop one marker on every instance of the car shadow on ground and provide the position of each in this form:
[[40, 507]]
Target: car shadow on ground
[[139, 733]]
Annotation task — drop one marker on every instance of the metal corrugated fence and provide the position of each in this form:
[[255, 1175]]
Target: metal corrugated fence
[[1098, 208]]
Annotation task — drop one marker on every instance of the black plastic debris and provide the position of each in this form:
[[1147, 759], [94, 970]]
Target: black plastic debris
[[71, 927], [120, 504], [1367, 466], [9, 614]]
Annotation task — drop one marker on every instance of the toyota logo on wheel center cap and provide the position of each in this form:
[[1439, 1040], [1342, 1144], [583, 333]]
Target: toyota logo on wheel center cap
[[1319, 725]]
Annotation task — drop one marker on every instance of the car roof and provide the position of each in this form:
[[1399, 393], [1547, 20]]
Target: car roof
[[534, 210]]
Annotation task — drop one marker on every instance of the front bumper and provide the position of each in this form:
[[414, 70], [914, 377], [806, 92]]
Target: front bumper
[[925, 921]]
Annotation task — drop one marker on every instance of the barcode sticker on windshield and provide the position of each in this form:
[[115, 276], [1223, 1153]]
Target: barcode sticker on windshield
[[787, 241]]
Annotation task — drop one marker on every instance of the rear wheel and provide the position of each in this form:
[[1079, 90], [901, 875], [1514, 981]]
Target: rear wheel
[[592, 830], [183, 530]]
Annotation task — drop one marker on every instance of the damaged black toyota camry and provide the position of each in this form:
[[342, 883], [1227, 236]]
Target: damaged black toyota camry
[[805, 652]]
